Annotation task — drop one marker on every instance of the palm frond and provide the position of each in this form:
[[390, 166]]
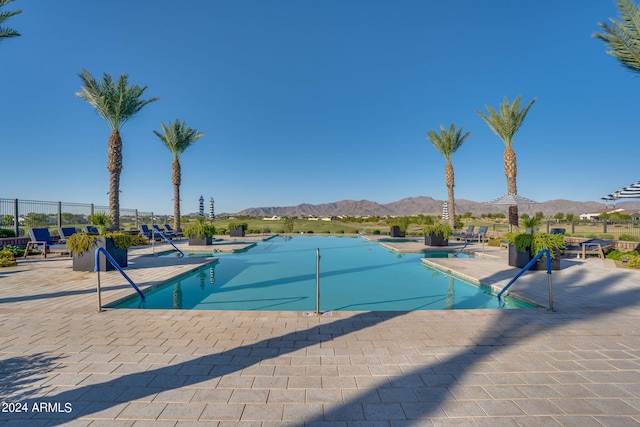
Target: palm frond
[[623, 37], [117, 103], [506, 123], [6, 32], [447, 142], [177, 137]]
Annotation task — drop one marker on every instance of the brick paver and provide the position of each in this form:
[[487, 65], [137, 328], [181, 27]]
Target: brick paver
[[576, 366]]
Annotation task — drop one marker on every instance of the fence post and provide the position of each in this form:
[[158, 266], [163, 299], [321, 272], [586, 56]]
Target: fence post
[[137, 224], [548, 226], [604, 226], [16, 222], [92, 209], [59, 214], [573, 227]]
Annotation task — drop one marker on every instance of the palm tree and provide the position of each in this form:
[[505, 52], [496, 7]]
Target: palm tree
[[447, 142], [623, 37], [177, 137], [505, 125], [117, 103], [6, 32]]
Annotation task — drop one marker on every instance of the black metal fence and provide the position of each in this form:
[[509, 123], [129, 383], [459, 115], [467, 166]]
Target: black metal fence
[[20, 215]]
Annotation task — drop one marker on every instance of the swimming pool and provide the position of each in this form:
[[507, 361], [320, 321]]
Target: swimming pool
[[355, 274]]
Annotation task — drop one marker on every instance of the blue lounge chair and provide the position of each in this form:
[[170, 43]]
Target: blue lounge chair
[[170, 230], [465, 234], [41, 239], [481, 235], [589, 247], [65, 233], [91, 229], [167, 234], [146, 232]]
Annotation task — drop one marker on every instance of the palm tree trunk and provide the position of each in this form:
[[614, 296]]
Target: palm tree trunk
[[176, 180], [114, 166], [450, 183], [510, 171]]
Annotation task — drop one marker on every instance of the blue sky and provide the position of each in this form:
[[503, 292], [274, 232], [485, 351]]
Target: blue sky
[[316, 101]]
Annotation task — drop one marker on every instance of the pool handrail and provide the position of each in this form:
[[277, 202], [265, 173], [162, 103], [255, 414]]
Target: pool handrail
[[475, 236], [117, 267], [527, 267], [154, 231]]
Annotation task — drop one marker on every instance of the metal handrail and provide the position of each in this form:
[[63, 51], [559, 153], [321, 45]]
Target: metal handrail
[[117, 267], [477, 235], [154, 231], [527, 267]]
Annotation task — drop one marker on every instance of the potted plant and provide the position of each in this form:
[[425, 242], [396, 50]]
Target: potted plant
[[519, 248], [237, 229], [200, 233], [554, 243], [83, 246], [437, 234]]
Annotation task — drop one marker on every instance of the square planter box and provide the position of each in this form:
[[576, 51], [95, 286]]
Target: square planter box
[[435, 240], [236, 232], [542, 263], [200, 241], [516, 258], [86, 260], [396, 232]]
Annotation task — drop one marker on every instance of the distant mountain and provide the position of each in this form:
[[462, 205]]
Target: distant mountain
[[427, 206]]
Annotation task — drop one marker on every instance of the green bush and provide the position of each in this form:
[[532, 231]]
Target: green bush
[[617, 255], [634, 262], [376, 231], [627, 238], [16, 251], [139, 241], [493, 241], [340, 232], [7, 258], [5, 232]]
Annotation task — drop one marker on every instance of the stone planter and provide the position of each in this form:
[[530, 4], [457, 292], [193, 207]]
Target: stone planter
[[236, 232], [200, 241], [541, 264], [396, 232], [516, 258], [85, 261], [435, 240]]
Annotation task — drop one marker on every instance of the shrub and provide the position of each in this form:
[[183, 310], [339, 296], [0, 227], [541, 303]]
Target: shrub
[[340, 232], [493, 241], [310, 232], [16, 251], [617, 255], [139, 241], [7, 259], [82, 242], [634, 262], [376, 231], [5, 232], [627, 238]]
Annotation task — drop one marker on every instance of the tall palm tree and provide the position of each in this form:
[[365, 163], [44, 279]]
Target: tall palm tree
[[117, 102], [623, 37], [177, 137], [505, 125], [447, 142], [6, 32]]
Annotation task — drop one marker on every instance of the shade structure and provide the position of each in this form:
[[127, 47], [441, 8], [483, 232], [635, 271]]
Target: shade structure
[[511, 199], [629, 192], [445, 211]]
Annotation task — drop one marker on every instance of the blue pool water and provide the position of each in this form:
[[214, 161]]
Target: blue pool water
[[280, 274]]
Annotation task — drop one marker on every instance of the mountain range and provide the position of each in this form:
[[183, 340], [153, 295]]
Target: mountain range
[[429, 206]]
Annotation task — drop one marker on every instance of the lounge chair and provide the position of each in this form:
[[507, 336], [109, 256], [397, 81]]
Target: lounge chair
[[464, 234], [146, 232], [160, 233], [65, 233], [557, 231], [170, 230], [480, 236], [91, 229], [41, 239], [589, 247]]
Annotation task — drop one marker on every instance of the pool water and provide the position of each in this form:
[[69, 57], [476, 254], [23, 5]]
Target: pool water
[[355, 274]]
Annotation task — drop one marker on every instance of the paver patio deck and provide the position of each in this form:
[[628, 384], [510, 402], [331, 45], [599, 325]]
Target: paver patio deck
[[577, 366]]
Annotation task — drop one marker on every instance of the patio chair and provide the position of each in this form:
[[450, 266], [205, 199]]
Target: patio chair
[[148, 234], [464, 234], [91, 229], [589, 247], [169, 229], [65, 233], [167, 234], [480, 236], [41, 239]]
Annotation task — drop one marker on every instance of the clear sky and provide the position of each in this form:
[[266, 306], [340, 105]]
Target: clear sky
[[315, 101]]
